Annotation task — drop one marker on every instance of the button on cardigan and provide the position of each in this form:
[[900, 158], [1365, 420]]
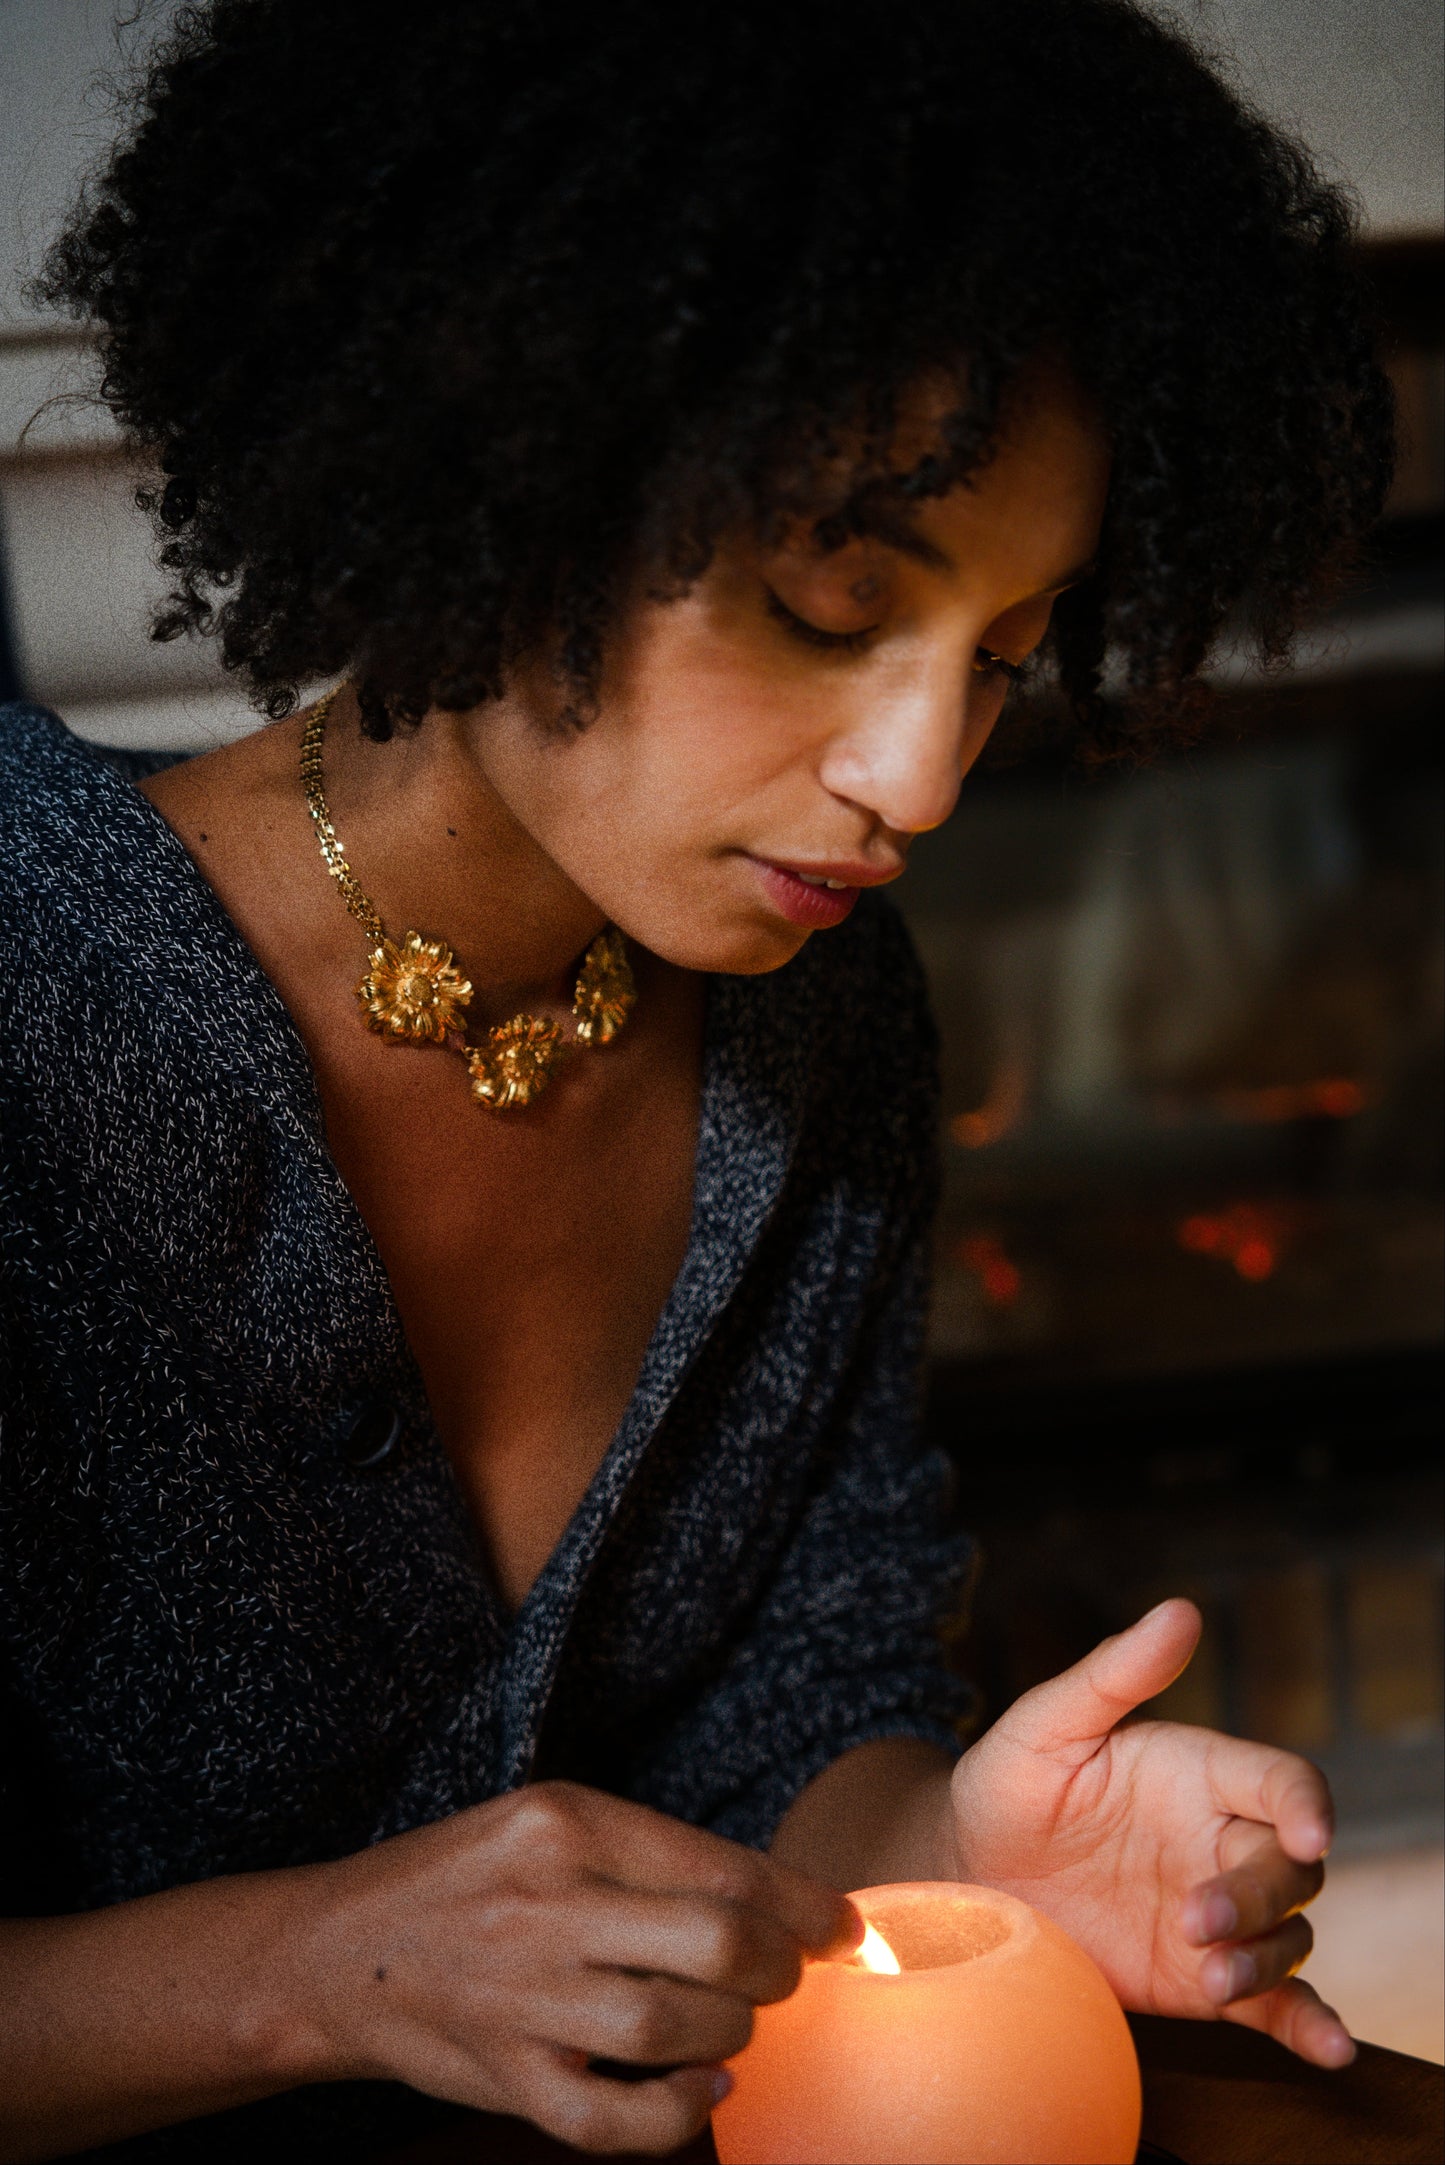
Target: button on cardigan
[[244, 1619]]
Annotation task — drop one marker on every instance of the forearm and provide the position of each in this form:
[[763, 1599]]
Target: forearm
[[877, 1815], [157, 2010]]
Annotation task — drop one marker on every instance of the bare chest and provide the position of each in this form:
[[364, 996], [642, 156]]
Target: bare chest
[[530, 1253]]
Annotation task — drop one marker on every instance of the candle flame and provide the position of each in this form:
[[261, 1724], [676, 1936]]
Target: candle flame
[[876, 1954]]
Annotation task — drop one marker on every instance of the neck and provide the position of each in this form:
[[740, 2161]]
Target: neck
[[438, 852]]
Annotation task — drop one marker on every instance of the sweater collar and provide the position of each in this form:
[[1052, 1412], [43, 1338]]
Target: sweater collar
[[758, 1060], [136, 890]]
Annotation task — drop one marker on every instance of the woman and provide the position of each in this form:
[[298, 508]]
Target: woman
[[471, 1576]]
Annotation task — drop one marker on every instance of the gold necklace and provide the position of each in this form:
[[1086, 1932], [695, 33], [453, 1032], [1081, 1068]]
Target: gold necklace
[[413, 993]]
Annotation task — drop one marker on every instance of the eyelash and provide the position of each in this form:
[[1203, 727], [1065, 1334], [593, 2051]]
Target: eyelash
[[988, 663], [994, 665], [838, 642]]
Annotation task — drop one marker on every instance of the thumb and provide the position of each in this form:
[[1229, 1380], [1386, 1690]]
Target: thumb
[[1080, 1707]]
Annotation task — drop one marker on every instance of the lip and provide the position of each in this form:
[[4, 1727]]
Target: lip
[[852, 871], [815, 907]]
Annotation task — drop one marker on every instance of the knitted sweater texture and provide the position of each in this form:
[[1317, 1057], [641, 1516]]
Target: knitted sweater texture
[[223, 1645]]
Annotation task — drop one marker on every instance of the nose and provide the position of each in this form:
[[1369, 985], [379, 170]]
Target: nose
[[903, 755]]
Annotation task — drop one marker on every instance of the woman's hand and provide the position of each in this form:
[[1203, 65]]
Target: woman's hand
[[489, 1958], [486, 1959], [1178, 1857]]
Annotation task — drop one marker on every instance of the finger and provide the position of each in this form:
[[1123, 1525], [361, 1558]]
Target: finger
[[646, 1849], [1258, 1782], [1079, 1708], [644, 2021], [696, 1938], [1296, 2015], [1251, 1899], [593, 2112], [1254, 1966]]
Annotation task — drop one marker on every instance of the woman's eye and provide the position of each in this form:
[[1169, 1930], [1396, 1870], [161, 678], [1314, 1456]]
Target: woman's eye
[[813, 634], [988, 664], [985, 662]]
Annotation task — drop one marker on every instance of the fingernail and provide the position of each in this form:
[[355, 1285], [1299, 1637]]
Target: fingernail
[[722, 2082], [1220, 1918], [1243, 1976]]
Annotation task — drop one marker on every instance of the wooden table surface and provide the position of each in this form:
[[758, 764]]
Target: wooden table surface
[[1213, 2095]]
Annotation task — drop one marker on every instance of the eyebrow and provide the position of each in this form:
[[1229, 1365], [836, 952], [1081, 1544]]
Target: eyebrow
[[890, 524]]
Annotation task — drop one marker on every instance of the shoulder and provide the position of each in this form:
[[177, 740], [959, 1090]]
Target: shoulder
[[70, 819], [121, 969], [91, 891]]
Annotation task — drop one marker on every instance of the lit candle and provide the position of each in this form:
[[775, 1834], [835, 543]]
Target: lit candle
[[968, 2028]]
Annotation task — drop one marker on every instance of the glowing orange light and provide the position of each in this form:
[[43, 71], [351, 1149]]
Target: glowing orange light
[[993, 2038], [1340, 1098], [1330, 1097], [998, 1275], [1249, 1236], [1000, 1112], [1201, 1235]]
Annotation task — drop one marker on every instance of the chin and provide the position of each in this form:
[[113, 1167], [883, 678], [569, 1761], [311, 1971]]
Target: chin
[[736, 950]]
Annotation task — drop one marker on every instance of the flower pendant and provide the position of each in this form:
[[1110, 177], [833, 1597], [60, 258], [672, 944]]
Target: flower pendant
[[413, 994], [606, 991], [515, 1064]]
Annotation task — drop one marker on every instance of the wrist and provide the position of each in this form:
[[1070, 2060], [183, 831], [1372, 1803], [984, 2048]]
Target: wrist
[[287, 2034], [879, 1813]]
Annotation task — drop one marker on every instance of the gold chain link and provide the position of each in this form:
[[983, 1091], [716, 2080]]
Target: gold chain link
[[413, 993], [352, 894]]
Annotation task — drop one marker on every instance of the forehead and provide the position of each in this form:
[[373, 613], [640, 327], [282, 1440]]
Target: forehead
[[1040, 497], [1030, 511]]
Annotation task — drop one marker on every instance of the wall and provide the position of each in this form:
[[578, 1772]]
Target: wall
[[1361, 82]]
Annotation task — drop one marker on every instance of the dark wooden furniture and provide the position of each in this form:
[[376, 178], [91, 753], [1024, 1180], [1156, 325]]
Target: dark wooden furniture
[[1213, 2095]]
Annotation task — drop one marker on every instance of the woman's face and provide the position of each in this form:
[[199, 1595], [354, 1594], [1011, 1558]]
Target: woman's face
[[770, 744]]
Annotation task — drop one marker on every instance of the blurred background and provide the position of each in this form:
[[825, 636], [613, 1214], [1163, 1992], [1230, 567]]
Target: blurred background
[[1188, 1326]]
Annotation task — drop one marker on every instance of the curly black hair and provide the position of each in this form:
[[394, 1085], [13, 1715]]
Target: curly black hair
[[438, 323]]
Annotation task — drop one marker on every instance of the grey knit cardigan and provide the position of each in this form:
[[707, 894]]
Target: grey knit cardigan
[[244, 1619]]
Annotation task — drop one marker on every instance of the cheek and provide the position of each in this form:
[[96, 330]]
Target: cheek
[[648, 810], [656, 836], [706, 747], [680, 782], [699, 740]]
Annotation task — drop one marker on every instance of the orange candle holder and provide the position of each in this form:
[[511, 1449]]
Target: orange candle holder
[[997, 2041]]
